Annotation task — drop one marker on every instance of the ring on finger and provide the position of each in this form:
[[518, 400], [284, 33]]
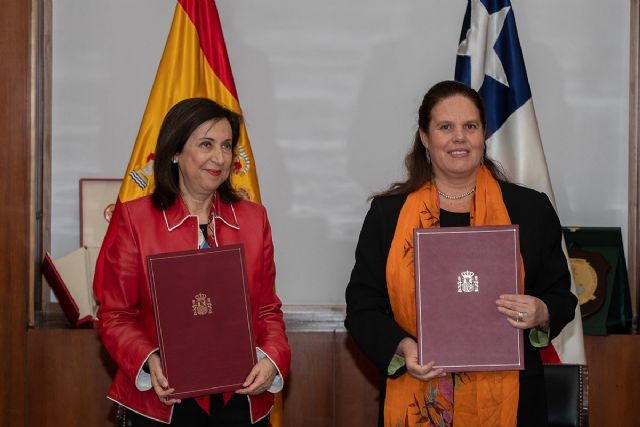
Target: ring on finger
[[520, 316]]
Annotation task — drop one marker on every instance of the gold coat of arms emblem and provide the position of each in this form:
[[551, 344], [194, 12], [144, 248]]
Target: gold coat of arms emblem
[[201, 305]]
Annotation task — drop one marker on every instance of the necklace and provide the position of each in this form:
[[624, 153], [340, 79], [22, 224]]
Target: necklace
[[461, 196]]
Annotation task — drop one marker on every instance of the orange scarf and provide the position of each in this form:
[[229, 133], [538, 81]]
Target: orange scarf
[[465, 399]]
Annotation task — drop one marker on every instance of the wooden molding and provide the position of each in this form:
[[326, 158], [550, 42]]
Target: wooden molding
[[40, 136], [314, 318], [41, 162]]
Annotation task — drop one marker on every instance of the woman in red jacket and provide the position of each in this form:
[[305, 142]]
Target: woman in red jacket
[[193, 206]]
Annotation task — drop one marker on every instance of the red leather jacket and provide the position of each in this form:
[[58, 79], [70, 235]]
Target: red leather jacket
[[126, 321]]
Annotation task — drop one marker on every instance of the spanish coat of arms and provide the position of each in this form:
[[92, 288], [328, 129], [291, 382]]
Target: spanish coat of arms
[[201, 305], [467, 282]]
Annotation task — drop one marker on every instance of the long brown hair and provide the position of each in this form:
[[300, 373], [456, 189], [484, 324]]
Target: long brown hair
[[417, 162]]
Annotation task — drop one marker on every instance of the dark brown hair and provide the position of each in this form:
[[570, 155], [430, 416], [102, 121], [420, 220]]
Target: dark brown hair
[[177, 126], [417, 163]]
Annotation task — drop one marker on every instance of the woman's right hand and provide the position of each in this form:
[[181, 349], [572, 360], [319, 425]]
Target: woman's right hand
[[159, 382], [408, 349]]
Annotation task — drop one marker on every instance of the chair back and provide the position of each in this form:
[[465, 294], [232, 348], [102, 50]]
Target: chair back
[[567, 395]]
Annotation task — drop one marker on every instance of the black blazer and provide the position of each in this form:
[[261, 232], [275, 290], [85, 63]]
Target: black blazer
[[370, 319]]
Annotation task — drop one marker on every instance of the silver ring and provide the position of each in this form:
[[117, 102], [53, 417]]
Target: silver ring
[[520, 317]]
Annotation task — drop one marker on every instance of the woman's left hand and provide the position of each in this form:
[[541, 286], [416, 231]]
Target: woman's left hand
[[524, 311], [260, 378]]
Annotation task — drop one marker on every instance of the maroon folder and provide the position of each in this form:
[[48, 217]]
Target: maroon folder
[[70, 278], [66, 293], [204, 319], [460, 272]]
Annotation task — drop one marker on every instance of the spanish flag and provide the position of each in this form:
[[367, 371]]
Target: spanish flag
[[194, 64]]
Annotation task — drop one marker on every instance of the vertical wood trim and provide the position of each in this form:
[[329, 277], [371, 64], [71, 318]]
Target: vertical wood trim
[[634, 157], [43, 174], [32, 128], [15, 210], [35, 128]]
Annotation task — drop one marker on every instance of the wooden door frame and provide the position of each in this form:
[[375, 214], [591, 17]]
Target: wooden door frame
[[17, 212]]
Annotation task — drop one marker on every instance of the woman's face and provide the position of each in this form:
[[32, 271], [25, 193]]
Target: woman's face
[[205, 160], [455, 138]]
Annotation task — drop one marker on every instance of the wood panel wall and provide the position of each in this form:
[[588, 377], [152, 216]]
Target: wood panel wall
[[614, 380], [15, 206], [70, 375], [331, 383]]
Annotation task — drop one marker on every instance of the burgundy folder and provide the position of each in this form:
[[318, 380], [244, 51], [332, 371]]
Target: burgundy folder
[[204, 319], [74, 295], [460, 272]]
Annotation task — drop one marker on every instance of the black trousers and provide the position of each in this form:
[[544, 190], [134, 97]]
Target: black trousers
[[189, 414]]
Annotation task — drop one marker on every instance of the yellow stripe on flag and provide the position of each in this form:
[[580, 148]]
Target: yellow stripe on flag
[[183, 73]]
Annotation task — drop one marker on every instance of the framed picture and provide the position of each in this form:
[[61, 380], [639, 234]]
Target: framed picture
[[97, 200]]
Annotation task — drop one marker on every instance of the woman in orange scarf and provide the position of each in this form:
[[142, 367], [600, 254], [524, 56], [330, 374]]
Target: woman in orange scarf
[[451, 182]]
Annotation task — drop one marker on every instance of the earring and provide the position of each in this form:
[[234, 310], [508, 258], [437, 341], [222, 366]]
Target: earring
[[174, 160]]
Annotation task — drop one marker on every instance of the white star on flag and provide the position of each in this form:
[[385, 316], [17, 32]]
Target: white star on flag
[[481, 37], [513, 137]]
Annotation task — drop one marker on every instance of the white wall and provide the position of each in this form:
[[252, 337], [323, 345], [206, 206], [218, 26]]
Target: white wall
[[330, 91]]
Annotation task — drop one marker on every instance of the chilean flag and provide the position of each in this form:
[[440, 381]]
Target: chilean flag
[[490, 61]]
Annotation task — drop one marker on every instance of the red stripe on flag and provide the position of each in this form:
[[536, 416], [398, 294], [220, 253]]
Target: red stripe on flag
[[549, 355], [204, 15]]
